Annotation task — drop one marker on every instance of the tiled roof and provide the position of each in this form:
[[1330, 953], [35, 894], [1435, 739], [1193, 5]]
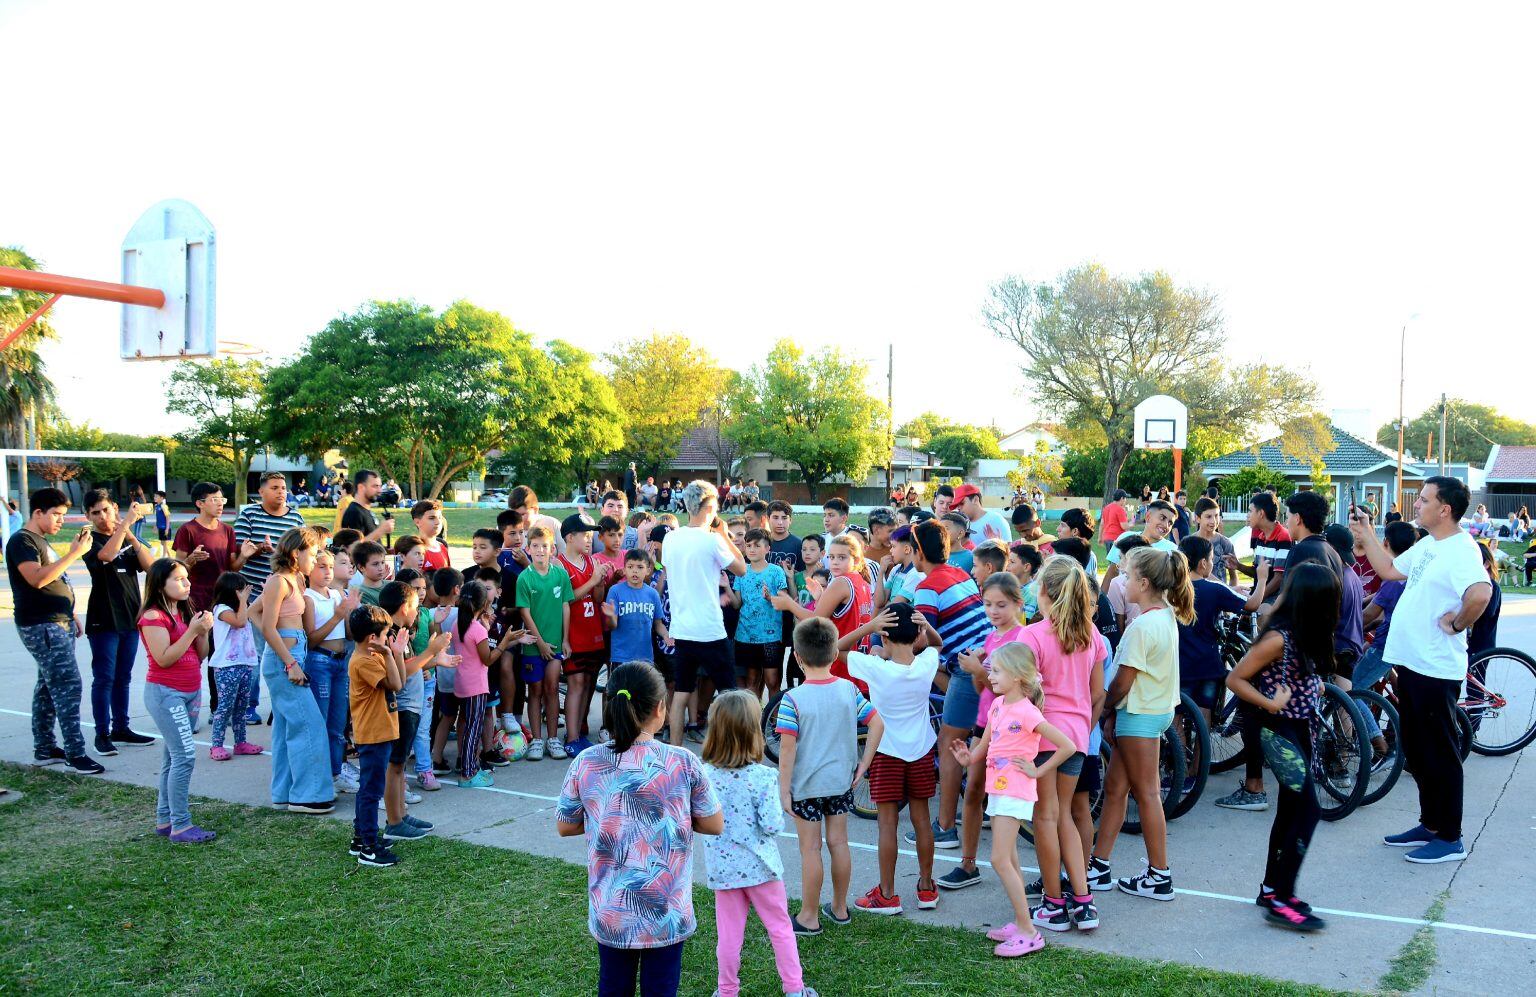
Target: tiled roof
[[1512, 464], [697, 451], [1350, 455]]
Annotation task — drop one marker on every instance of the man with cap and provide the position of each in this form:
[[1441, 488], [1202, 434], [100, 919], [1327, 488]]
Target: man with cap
[[589, 585], [986, 524]]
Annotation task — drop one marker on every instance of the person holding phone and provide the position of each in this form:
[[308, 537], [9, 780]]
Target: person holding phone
[[262, 523]]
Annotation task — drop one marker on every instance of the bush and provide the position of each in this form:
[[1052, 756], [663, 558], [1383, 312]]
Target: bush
[[1255, 479]]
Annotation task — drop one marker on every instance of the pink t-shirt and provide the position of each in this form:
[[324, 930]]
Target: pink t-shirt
[[186, 675], [1117, 601], [473, 677], [995, 640], [1015, 734], [1066, 679]]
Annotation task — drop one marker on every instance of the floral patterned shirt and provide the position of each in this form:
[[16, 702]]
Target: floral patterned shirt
[[747, 853], [638, 810]]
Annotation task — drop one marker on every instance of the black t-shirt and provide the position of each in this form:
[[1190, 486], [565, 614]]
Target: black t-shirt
[[115, 597], [1484, 634], [786, 554], [1181, 526], [1105, 621], [360, 518], [54, 602]]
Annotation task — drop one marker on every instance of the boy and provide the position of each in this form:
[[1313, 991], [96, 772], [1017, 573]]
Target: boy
[[610, 538], [427, 517], [503, 694], [637, 526], [371, 562], [586, 652], [756, 515], [484, 549], [410, 552], [903, 579], [163, 524], [818, 727], [834, 517], [401, 600], [513, 557], [544, 598], [1024, 562], [633, 612], [1208, 520], [1160, 520], [881, 523], [1201, 673], [904, 767], [374, 677], [986, 560], [813, 551], [447, 583], [960, 546], [759, 627]]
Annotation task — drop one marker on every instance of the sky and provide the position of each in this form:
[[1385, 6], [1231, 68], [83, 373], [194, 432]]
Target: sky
[[849, 174]]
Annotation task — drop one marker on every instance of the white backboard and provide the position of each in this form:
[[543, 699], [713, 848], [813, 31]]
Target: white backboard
[[1162, 423], [171, 248]]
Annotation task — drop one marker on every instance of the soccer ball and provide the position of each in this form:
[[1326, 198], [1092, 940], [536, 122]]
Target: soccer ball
[[511, 745]]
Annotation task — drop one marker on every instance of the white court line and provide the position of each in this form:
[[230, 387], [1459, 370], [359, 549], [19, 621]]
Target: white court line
[[1204, 894]]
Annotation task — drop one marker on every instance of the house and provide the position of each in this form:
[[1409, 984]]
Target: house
[[909, 466], [1509, 480], [1361, 471], [1025, 441]]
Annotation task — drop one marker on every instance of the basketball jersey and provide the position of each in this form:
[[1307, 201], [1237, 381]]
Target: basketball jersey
[[854, 614], [586, 625]]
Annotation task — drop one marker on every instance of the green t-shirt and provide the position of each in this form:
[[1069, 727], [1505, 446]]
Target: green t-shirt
[[369, 596], [543, 596], [423, 635]]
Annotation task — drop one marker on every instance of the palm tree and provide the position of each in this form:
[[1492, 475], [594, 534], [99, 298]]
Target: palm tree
[[24, 383]]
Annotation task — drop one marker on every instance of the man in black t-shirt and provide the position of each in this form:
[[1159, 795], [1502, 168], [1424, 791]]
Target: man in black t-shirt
[[45, 619], [359, 515], [115, 562]]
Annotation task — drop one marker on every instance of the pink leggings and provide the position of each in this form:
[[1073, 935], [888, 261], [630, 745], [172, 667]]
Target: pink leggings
[[772, 908]]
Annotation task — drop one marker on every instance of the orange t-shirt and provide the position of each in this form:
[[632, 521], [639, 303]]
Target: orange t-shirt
[[374, 720]]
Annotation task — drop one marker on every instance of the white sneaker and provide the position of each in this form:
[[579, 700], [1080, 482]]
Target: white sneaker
[[412, 797], [345, 785], [350, 772], [536, 750], [556, 748]]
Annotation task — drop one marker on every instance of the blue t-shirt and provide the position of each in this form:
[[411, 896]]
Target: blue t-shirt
[[759, 622], [963, 559], [510, 569], [637, 610], [1386, 601], [1200, 641]]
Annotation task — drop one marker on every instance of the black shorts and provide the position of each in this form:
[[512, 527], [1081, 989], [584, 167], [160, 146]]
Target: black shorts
[[818, 807], [446, 704], [1205, 692], [759, 656], [1092, 779], [712, 657], [165, 536], [401, 749]]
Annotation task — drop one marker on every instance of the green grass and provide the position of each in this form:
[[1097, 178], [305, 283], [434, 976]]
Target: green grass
[[1410, 968], [95, 902]]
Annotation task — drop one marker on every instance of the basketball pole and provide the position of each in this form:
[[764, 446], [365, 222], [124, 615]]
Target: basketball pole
[[57, 286], [1178, 468]]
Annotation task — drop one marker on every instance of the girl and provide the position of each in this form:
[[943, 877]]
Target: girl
[[638, 800], [846, 601], [1144, 693], [176, 643], [1279, 674], [472, 687], [326, 664], [232, 661], [300, 759], [1067, 650], [1010, 744], [745, 869]]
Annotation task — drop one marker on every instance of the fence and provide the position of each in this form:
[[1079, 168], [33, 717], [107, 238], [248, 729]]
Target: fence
[[1500, 505]]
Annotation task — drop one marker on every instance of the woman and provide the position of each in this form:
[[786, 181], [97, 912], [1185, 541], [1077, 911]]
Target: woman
[[1162, 494], [1525, 523], [912, 497], [301, 768]]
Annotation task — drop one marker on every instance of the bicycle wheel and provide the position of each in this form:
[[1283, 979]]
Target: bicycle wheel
[[771, 736], [1226, 736], [1501, 701], [863, 803], [1386, 769], [1464, 732], [1170, 767], [1194, 734], [1341, 755]]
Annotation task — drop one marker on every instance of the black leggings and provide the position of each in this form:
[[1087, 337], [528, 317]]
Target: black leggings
[[1296, 813], [1250, 722]]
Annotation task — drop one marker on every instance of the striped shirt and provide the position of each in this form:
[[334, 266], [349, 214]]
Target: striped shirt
[[255, 524], [948, 597]]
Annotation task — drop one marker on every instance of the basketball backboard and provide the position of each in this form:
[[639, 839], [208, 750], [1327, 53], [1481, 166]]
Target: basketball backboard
[[171, 248], [1162, 423]]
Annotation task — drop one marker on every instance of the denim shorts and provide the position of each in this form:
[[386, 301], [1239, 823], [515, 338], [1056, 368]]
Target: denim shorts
[[961, 701], [1072, 766], [1128, 724]]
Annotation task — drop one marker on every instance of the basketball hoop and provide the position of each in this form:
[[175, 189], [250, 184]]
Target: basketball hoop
[[235, 348], [1162, 423]]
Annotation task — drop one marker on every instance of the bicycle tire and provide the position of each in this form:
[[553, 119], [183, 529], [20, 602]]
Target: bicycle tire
[[1514, 696], [1170, 756], [1195, 735], [1342, 755], [771, 736], [1464, 733], [1226, 736], [863, 802], [1384, 773]]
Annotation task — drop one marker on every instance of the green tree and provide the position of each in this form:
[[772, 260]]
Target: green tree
[[1256, 478], [583, 425], [661, 383], [1097, 344], [225, 400], [25, 389], [815, 412], [1042, 467], [962, 446], [1471, 429], [716, 422]]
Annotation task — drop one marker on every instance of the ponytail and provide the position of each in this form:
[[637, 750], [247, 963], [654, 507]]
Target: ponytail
[[1073, 602], [635, 689], [473, 598], [1168, 572]]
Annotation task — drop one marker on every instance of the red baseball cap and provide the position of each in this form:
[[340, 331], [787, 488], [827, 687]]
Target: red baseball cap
[[963, 492]]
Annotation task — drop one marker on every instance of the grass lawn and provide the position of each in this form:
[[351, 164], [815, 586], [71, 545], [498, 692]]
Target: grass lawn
[[94, 901]]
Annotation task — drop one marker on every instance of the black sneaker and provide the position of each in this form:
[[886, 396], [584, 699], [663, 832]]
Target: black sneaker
[[52, 756], [1084, 914], [1290, 916], [84, 765], [1098, 874], [378, 855], [958, 879], [1267, 898], [493, 759], [127, 736], [1036, 889], [104, 746], [1052, 915], [1148, 883], [356, 847]]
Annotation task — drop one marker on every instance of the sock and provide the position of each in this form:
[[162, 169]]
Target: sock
[[1156, 871], [1085, 899]]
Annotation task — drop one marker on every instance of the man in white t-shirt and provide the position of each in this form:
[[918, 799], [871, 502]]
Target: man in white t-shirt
[[986, 524], [695, 555], [1447, 591]]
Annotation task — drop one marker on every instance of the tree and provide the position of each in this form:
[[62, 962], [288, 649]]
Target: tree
[[583, 425], [661, 383], [25, 389], [716, 422], [815, 412], [1256, 478], [962, 446], [1098, 344], [1043, 467], [224, 397], [1471, 429]]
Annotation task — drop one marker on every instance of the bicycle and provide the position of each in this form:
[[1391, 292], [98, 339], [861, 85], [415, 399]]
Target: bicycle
[[1194, 735], [1500, 701], [1387, 767]]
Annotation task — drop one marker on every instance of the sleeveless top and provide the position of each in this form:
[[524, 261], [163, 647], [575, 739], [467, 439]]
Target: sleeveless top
[[856, 612], [1306, 690], [325, 608]]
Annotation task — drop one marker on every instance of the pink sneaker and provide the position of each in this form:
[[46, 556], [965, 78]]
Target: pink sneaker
[[428, 782], [219, 753], [1004, 933], [1020, 945], [247, 748]]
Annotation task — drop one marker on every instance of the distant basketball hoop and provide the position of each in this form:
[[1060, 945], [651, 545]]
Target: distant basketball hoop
[[235, 348], [1162, 423]]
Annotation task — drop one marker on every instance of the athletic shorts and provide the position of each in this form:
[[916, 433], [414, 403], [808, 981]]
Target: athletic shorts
[[535, 666], [892, 780], [165, 536], [818, 807], [712, 657], [584, 661], [1072, 766], [1205, 692], [1128, 724], [1010, 806], [759, 656], [401, 749], [961, 701], [1092, 779], [446, 705]]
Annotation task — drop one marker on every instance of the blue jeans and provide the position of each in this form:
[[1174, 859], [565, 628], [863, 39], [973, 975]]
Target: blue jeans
[[112, 655], [327, 671], [174, 713], [1369, 670], [301, 769], [423, 745], [372, 760], [258, 639]]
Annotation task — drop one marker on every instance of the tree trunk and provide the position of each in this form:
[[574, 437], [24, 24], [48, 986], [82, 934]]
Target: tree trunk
[[242, 472], [1119, 450]]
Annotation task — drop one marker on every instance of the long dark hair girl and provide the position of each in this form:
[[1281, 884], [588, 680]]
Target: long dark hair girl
[[635, 690], [1308, 609], [154, 589], [474, 598]]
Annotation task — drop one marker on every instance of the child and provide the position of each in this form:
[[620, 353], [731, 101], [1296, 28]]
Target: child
[[1114, 584], [163, 524], [401, 600], [1011, 745], [1200, 666], [427, 517], [544, 596], [1024, 561], [175, 643], [372, 564], [960, 546], [1279, 675], [513, 556], [847, 601], [813, 549], [410, 552], [988, 557], [374, 678], [326, 663], [904, 770], [633, 612], [485, 552], [447, 586], [610, 537], [233, 659], [472, 643], [1144, 694], [637, 526], [636, 796], [819, 764], [745, 869], [585, 651], [903, 578], [816, 582], [759, 627]]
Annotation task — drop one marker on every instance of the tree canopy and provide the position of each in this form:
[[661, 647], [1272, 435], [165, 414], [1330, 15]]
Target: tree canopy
[[962, 446], [661, 384], [1471, 429], [226, 402]]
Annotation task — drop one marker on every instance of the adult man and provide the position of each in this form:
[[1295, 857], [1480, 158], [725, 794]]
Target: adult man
[[1181, 525], [648, 492], [695, 555], [986, 524], [523, 499], [45, 619], [1112, 522], [628, 487], [116, 561], [1446, 592], [1208, 520], [261, 524], [943, 500], [359, 515]]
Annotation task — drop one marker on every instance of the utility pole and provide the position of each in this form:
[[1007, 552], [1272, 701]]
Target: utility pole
[[28, 433], [890, 415], [1442, 433], [1402, 377]]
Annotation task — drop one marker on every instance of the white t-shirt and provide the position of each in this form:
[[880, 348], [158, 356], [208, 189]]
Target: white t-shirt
[[694, 558], [991, 526], [900, 695], [1439, 573]]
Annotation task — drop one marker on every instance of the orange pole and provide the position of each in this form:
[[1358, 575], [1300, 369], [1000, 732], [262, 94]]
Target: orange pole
[[1178, 469], [128, 294], [43, 310]]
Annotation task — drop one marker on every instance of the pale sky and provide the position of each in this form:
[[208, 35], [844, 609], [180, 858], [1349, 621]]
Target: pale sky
[[841, 173]]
